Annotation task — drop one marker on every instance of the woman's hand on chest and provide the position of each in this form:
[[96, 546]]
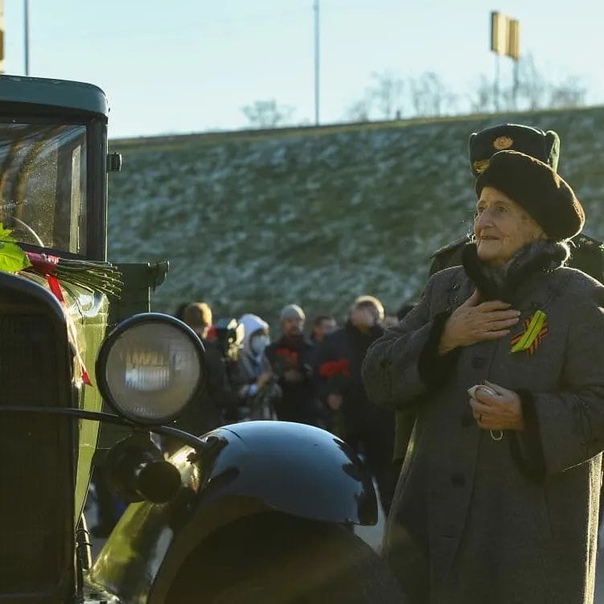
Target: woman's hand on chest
[[476, 321]]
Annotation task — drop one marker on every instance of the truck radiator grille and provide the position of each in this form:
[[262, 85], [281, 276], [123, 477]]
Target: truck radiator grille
[[36, 458]]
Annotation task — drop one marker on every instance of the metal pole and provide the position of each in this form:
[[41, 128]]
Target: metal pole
[[26, 22], [317, 62], [1, 37], [496, 91], [516, 81]]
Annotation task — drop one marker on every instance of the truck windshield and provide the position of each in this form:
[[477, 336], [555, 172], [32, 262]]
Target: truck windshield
[[43, 184]]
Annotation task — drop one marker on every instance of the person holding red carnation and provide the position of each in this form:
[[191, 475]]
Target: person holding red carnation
[[369, 429], [290, 358]]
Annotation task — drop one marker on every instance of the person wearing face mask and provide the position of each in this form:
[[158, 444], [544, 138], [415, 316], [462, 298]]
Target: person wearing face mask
[[290, 357], [254, 379]]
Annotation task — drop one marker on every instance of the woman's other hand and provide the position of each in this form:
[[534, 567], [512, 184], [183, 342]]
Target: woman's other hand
[[474, 322], [264, 378], [496, 408]]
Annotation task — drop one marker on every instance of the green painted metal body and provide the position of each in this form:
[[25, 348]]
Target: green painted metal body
[[58, 127], [67, 97], [53, 187]]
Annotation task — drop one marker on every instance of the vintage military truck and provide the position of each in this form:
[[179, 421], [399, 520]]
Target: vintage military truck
[[253, 512]]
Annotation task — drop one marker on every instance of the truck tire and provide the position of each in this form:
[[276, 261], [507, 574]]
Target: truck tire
[[273, 558]]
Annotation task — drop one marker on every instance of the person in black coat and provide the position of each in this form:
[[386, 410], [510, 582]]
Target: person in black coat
[[322, 324], [290, 358], [206, 411], [368, 428]]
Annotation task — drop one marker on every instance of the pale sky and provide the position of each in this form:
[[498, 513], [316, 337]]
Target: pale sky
[[191, 65]]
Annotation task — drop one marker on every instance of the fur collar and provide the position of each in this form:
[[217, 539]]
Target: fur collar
[[500, 283]]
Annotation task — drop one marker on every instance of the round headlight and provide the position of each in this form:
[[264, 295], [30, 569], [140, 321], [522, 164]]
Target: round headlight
[[149, 367]]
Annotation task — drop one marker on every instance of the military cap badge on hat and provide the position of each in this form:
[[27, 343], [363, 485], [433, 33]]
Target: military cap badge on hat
[[535, 186], [503, 142], [544, 146]]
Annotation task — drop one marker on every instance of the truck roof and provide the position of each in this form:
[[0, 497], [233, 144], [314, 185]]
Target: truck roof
[[54, 93]]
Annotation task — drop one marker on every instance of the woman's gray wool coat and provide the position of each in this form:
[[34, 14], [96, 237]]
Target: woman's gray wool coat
[[475, 520]]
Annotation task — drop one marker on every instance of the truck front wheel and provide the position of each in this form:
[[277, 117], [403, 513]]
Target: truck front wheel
[[274, 558]]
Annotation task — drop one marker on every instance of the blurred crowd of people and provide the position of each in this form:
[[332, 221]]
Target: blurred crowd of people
[[309, 375]]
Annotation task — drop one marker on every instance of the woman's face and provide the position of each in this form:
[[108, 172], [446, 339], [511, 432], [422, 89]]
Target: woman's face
[[502, 227]]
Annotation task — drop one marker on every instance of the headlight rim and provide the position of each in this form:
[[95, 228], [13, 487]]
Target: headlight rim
[[115, 334]]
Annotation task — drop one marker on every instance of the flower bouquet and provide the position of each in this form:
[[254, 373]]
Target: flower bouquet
[[91, 275], [337, 374]]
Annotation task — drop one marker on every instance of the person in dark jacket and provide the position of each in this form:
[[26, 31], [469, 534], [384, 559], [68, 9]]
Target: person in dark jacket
[[290, 357], [501, 360], [586, 253], [206, 411], [322, 324], [368, 428]]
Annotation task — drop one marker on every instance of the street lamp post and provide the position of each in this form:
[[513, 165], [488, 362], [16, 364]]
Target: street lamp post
[[1, 37], [26, 34], [317, 62]]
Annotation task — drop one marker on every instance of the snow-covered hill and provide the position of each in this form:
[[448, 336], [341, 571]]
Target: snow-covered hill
[[316, 216]]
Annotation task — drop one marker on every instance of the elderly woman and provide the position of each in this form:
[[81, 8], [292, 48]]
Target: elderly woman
[[503, 361]]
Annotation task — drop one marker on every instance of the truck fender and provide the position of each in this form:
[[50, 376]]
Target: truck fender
[[252, 467]]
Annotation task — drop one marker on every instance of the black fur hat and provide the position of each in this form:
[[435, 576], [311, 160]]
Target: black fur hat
[[545, 146], [533, 185]]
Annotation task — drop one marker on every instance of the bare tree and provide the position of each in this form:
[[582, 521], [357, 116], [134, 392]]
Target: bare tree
[[387, 93], [531, 86], [430, 97], [267, 114], [481, 97], [571, 92], [359, 111], [525, 88]]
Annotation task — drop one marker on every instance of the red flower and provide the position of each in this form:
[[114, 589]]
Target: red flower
[[331, 369], [289, 357]]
